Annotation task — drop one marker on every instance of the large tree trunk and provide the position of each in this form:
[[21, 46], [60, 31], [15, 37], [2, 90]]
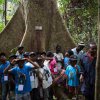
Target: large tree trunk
[[37, 13], [12, 35], [97, 87]]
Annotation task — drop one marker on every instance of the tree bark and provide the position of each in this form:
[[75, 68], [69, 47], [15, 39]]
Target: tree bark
[[12, 35], [5, 12], [97, 84], [37, 13]]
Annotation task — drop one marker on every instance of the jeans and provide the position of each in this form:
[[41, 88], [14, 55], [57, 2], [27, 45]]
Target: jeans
[[5, 90], [35, 94], [25, 96]]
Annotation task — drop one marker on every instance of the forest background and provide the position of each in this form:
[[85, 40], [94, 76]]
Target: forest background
[[80, 17]]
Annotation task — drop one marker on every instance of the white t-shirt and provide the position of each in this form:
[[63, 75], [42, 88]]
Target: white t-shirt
[[19, 56], [34, 79], [46, 64], [47, 78], [59, 56]]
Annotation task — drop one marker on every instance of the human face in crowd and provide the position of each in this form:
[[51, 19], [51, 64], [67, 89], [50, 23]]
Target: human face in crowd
[[79, 48], [20, 63], [40, 61], [26, 55], [93, 50], [69, 53], [58, 49], [33, 57], [11, 59], [21, 51], [3, 59], [66, 54], [73, 63]]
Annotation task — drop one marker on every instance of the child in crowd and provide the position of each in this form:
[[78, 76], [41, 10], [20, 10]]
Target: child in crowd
[[52, 64], [20, 52], [59, 57], [72, 72], [46, 80], [46, 63], [67, 57], [4, 77], [22, 78]]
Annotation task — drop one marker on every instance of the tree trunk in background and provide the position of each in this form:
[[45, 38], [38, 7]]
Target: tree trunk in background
[[12, 35], [5, 12], [97, 87], [36, 13]]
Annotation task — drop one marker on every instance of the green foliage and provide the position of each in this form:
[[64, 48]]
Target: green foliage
[[11, 8], [1, 26], [81, 18], [1, 2]]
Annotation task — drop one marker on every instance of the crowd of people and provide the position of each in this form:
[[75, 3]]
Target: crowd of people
[[38, 75]]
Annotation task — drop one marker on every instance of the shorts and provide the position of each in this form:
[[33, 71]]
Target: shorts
[[73, 90]]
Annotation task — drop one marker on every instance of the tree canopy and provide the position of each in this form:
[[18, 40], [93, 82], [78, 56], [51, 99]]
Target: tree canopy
[[81, 18]]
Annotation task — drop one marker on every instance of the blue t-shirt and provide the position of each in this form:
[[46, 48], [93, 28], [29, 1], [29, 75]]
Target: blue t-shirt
[[66, 62], [2, 67], [72, 74], [22, 75]]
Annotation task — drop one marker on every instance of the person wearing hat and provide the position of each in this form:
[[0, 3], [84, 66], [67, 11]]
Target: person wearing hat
[[22, 78], [88, 63], [78, 51], [20, 52], [72, 73], [4, 77]]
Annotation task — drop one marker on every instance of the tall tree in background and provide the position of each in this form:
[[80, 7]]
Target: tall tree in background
[[81, 18], [22, 28], [5, 11], [97, 87]]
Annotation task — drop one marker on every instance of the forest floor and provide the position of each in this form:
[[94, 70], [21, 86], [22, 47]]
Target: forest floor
[[79, 98]]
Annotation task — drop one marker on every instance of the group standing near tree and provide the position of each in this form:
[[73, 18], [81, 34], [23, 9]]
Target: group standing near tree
[[41, 75]]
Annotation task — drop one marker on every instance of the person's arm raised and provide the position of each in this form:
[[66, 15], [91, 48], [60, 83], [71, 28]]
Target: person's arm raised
[[33, 63], [6, 70], [46, 58]]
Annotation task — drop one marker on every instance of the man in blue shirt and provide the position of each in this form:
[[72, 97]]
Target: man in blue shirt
[[87, 77], [4, 78], [22, 78]]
